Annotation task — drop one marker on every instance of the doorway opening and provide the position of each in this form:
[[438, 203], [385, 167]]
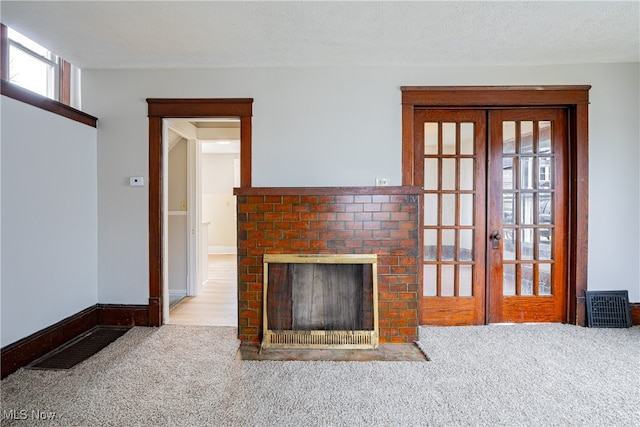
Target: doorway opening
[[161, 111], [203, 168]]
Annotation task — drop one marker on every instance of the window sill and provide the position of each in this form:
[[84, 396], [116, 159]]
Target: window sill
[[23, 95]]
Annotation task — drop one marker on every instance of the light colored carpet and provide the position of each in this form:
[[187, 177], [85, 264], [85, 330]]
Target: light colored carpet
[[524, 375]]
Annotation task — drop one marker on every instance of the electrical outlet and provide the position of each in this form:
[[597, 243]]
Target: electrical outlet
[[183, 205], [382, 182]]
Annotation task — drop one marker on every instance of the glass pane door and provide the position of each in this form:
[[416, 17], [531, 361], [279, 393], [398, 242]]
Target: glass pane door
[[453, 171], [528, 223]]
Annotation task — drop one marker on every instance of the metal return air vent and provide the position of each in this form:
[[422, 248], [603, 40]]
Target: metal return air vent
[[608, 309], [320, 339], [80, 349]]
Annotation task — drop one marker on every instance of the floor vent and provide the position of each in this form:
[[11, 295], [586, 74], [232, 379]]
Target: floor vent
[[608, 309], [321, 339], [80, 349]]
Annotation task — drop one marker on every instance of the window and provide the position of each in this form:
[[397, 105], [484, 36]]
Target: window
[[32, 66], [35, 68]]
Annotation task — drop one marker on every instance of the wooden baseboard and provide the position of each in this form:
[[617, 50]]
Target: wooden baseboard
[[20, 353], [634, 307], [123, 315]]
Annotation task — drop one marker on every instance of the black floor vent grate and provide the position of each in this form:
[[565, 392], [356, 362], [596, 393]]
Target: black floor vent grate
[[608, 309], [70, 354]]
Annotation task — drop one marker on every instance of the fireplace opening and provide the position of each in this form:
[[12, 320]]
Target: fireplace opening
[[320, 301]]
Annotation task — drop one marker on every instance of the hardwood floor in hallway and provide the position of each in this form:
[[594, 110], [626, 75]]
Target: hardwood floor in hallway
[[217, 304]]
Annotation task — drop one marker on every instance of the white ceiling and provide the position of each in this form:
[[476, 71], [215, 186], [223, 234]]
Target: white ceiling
[[188, 34]]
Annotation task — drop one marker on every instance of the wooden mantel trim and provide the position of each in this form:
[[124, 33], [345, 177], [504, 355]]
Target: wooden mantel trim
[[324, 191]]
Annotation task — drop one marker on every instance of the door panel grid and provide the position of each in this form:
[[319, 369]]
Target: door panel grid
[[494, 215], [527, 193], [452, 167], [449, 165]]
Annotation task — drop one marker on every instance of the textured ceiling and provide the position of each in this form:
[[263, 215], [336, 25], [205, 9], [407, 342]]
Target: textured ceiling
[[160, 34]]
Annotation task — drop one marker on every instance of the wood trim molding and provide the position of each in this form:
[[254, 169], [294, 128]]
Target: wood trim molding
[[4, 52], [494, 96], [576, 100], [20, 353], [408, 153], [188, 108], [578, 212], [23, 95], [155, 220], [634, 308], [122, 315], [64, 82], [245, 151], [200, 107]]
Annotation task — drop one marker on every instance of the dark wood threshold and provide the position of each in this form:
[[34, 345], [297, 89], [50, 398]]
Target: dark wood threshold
[[20, 353], [23, 95], [634, 307]]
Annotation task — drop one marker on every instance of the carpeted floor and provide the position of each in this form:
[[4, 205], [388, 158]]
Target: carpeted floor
[[524, 375]]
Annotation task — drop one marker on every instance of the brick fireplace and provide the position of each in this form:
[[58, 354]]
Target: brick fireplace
[[333, 220]]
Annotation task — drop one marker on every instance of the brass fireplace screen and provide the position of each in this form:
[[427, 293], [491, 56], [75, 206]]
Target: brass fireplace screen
[[320, 301]]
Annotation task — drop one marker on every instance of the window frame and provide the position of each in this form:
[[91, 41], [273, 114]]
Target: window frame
[[53, 61], [61, 107]]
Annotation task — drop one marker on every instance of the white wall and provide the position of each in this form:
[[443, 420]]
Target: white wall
[[330, 126], [177, 252], [177, 176], [49, 219], [177, 234], [218, 201]]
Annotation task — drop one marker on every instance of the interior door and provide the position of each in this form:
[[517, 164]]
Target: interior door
[[494, 222], [452, 170], [527, 216]]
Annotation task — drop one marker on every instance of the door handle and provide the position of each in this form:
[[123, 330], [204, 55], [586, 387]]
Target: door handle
[[495, 240]]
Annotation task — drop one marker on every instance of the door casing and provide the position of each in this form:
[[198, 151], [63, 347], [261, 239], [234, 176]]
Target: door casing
[[172, 108], [575, 99]]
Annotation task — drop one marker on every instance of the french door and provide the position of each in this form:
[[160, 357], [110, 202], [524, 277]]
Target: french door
[[495, 215]]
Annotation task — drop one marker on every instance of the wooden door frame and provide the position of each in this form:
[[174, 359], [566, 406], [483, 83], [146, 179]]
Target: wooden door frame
[[190, 108], [576, 100]]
